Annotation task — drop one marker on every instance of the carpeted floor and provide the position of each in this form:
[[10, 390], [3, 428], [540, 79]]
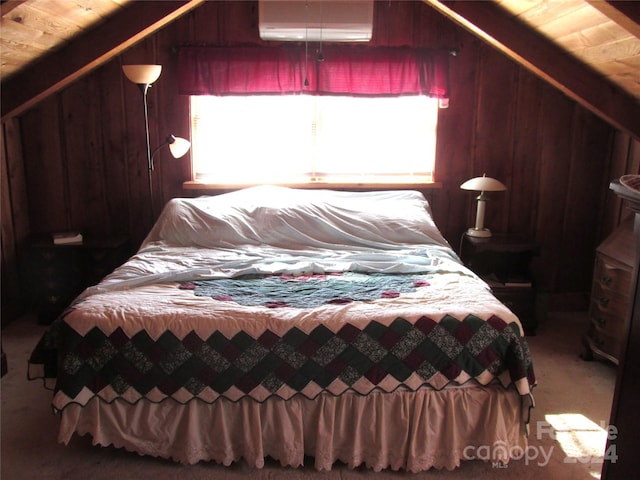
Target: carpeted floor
[[573, 395]]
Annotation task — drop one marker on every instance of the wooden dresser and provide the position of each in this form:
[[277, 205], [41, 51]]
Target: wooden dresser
[[611, 294], [624, 410]]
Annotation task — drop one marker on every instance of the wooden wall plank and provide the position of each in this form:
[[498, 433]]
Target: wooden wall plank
[[557, 114], [429, 33], [208, 24], [633, 165], [17, 184], [494, 131], [617, 167], [83, 156], [526, 155], [15, 216], [113, 167], [174, 115], [453, 209], [585, 190], [44, 168], [8, 250], [624, 159], [240, 23], [393, 25]]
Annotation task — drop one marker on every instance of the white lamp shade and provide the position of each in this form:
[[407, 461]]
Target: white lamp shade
[[142, 74], [179, 147], [483, 184]]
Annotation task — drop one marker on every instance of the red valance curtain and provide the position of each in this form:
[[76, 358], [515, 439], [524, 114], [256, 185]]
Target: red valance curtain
[[345, 70]]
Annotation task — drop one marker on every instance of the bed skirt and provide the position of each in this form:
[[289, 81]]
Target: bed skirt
[[412, 431]]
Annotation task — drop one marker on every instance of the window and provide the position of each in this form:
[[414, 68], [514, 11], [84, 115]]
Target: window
[[298, 139]]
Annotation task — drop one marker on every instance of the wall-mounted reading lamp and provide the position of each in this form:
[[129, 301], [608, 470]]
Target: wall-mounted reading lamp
[[482, 184], [144, 76]]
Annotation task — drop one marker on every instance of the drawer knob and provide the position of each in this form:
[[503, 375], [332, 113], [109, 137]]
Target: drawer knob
[[606, 280], [601, 321], [604, 301]]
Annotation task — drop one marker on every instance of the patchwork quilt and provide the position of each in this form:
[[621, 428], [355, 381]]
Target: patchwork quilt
[[405, 351]]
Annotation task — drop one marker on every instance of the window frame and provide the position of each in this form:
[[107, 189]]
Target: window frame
[[423, 180]]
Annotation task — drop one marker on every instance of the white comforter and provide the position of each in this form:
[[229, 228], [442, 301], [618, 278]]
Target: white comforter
[[282, 230]]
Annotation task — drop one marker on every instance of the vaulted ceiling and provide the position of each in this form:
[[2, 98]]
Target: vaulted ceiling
[[588, 49]]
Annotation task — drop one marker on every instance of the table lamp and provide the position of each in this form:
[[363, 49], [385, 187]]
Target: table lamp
[[482, 184]]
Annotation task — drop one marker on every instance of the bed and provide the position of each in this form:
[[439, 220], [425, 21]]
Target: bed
[[313, 325]]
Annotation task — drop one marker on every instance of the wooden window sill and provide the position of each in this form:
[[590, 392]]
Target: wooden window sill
[[204, 185]]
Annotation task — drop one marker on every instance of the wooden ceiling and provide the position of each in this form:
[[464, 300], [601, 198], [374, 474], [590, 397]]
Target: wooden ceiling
[[588, 49], [33, 28], [597, 33]]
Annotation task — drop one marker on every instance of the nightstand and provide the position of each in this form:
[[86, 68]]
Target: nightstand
[[56, 274], [503, 261]]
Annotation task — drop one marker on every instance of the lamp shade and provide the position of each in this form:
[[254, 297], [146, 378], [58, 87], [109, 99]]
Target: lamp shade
[[483, 184], [142, 74], [179, 146]]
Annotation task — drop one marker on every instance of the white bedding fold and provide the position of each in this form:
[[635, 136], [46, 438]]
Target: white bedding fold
[[157, 263], [298, 218]]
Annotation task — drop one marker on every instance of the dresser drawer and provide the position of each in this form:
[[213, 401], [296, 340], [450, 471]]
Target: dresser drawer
[[605, 344], [50, 262], [607, 322], [609, 302], [611, 274]]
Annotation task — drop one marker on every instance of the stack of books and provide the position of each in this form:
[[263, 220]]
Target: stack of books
[[67, 238], [494, 280]]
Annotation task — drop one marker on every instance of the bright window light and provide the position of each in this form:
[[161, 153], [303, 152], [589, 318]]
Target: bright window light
[[311, 139]]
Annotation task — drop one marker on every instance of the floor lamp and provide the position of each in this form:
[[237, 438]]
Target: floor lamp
[[144, 76], [482, 184]]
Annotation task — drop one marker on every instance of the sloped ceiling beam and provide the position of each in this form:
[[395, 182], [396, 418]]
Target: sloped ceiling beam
[[625, 13], [130, 25], [538, 54]]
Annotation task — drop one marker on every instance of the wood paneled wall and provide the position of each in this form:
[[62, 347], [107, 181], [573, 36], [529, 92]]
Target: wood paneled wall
[[77, 159]]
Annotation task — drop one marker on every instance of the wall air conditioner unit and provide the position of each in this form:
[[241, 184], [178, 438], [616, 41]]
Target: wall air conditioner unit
[[314, 20]]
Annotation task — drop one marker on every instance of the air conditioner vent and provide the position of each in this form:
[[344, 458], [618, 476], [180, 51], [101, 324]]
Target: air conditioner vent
[[314, 21]]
